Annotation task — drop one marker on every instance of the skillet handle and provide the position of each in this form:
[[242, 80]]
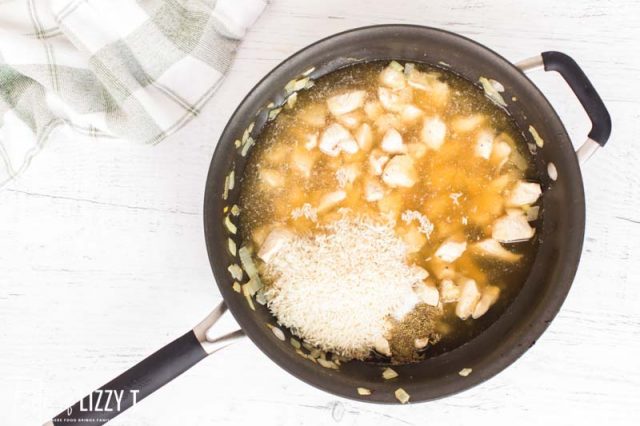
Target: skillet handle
[[148, 375], [584, 91]]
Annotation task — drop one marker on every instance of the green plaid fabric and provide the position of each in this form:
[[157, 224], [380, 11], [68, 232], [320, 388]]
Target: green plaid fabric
[[136, 70]]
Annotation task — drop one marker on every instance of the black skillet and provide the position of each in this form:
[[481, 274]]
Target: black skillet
[[561, 230]]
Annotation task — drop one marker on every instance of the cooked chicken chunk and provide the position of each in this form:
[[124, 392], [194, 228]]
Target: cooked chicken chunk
[[489, 296], [381, 345], [271, 178], [274, 242], [330, 200], [377, 160], [336, 139], [433, 132], [524, 193], [449, 291], [512, 229], [484, 144], [427, 293], [410, 113], [346, 102], [373, 190], [469, 297], [392, 142], [451, 249], [467, 123], [393, 78], [394, 100], [400, 171], [364, 137], [494, 249], [302, 161], [310, 141], [500, 153]]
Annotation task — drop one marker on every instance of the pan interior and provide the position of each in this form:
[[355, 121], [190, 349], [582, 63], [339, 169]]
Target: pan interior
[[560, 233]]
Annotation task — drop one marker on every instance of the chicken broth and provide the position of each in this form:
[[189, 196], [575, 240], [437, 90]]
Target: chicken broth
[[423, 150]]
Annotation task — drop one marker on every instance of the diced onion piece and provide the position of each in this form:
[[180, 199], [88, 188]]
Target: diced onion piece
[[512, 229], [392, 142], [465, 372], [400, 172], [346, 102], [389, 373], [236, 272], [451, 249], [492, 248], [469, 297], [433, 132], [524, 193], [532, 213], [490, 295], [229, 225], [402, 395], [363, 391], [491, 88], [536, 137]]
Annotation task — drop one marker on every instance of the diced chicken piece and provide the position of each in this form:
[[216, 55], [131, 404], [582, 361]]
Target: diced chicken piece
[[310, 141], [428, 82], [469, 297], [390, 205], [314, 115], [302, 161], [410, 113], [364, 137], [413, 239], [346, 102], [492, 248], [373, 190], [271, 178], [351, 120], [392, 100], [524, 193], [427, 294], [346, 175], [274, 242], [433, 132], [489, 296], [449, 291], [421, 342], [393, 78], [417, 150], [377, 160], [400, 171], [451, 249], [441, 270], [467, 123], [386, 122], [421, 273], [392, 142], [336, 139], [484, 144], [330, 200], [512, 229], [373, 110], [381, 345], [500, 153]]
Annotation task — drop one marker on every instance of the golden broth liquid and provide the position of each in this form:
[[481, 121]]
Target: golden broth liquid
[[456, 190]]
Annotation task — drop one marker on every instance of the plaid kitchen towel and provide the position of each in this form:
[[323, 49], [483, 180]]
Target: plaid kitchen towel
[[136, 70]]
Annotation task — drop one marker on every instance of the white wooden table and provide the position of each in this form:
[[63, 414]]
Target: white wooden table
[[103, 258]]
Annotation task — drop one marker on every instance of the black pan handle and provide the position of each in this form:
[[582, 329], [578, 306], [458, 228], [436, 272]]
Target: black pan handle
[[148, 375], [584, 91]]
